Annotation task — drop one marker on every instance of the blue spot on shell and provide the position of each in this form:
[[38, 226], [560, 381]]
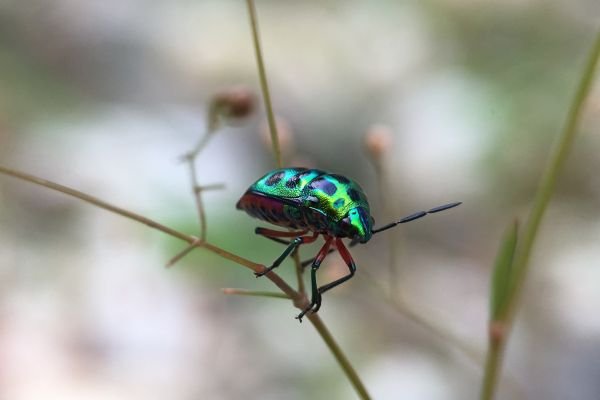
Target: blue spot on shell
[[338, 203], [324, 185], [274, 179]]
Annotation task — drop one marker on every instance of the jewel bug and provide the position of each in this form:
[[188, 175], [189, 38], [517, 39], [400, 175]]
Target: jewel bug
[[311, 202]]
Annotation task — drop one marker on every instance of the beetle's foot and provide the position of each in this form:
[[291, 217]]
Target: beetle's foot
[[316, 307], [311, 309], [306, 310], [265, 271]]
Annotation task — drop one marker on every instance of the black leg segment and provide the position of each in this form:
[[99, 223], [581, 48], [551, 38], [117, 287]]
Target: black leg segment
[[315, 302], [291, 246]]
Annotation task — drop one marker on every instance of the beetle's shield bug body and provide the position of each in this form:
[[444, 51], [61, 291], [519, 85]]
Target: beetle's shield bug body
[[316, 201], [310, 199]]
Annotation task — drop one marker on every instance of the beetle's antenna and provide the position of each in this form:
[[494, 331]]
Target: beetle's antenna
[[409, 218], [417, 215]]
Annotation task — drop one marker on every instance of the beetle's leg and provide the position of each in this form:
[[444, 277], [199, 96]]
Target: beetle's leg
[[351, 266], [271, 233], [277, 240], [275, 235], [315, 301], [306, 263], [293, 244]]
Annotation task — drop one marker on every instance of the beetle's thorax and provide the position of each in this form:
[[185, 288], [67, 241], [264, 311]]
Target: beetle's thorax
[[361, 224]]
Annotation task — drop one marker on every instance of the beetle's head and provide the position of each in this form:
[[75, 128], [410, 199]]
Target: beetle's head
[[361, 223]]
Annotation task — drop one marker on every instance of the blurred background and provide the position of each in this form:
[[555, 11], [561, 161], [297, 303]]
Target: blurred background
[[451, 100]]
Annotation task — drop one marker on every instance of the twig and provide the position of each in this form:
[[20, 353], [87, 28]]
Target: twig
[[153, 224], [395, 290], [341, 358], [202, 142], [245, 292], [212, 186], [299, 271], [197, 195], [264, 83], [183, 253], [298, 299]]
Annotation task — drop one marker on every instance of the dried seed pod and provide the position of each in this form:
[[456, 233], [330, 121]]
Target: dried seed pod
[[378, 139], [230, 106]]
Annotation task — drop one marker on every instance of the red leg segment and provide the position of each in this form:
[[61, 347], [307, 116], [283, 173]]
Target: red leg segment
[[349, 262]]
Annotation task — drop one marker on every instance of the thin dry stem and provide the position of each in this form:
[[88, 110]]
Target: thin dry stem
[[256, 293], [298, 299], [199, 146], [276, 279], [438, 330], [395, 296], [212, 186], [432, 325], [183, 253], [331, 343], [299, 271], [264, 84], [395, 290], [197, 197]]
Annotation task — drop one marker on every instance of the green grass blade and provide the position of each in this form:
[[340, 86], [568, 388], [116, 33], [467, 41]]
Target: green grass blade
[[503, 275]]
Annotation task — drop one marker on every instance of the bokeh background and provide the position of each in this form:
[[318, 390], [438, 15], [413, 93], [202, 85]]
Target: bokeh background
[[469, 94]]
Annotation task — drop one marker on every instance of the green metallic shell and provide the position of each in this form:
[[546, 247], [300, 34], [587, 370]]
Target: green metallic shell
[[311, 190], [285, 183], [331, 194], [334, 195]]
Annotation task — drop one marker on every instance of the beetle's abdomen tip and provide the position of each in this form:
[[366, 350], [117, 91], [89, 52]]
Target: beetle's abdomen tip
[[242, 203]]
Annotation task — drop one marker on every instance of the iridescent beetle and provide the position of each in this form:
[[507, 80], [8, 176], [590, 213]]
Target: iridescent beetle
[[311, 200]]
